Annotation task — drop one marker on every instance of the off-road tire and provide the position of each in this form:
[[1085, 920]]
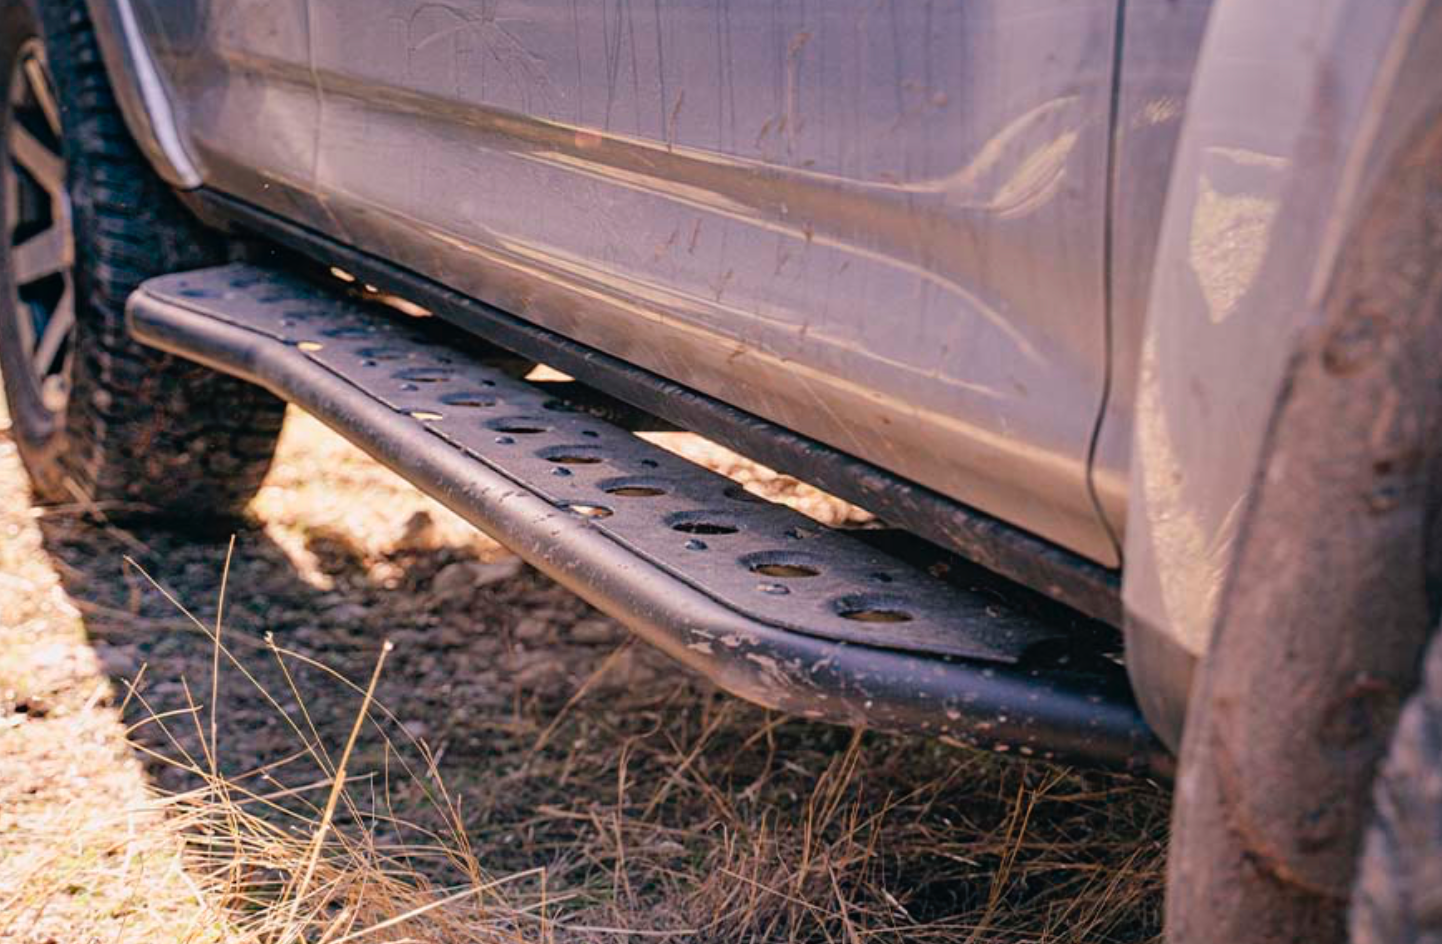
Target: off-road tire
[[142, 432], [1398, 896]]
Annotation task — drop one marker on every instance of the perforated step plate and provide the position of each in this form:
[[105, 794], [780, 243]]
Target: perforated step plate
[[758, 558], [716, 576]]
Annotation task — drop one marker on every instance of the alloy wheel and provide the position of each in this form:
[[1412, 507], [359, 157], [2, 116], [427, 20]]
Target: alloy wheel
[[38, 229]]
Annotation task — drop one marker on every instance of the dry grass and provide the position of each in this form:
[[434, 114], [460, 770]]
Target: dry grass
[[246, 857], [513, 768]]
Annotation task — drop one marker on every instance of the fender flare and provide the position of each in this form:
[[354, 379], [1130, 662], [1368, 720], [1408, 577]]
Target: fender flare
[[1295, 109], [1289, 451], [141, 92]]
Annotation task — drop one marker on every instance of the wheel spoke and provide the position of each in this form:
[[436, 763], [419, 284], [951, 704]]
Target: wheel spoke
[[45, 253], [43, 164], [44, 95], [57, 329], [25, 326], [12, 200]]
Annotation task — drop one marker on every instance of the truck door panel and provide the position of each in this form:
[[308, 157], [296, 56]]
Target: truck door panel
[[880, 224]]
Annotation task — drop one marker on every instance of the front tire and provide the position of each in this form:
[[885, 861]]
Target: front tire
[[97, 417], [1398, 896]]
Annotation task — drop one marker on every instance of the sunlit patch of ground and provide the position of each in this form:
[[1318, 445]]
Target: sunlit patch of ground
[[612, 796]]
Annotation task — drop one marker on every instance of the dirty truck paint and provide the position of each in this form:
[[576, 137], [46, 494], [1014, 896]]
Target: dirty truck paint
[[880, 225]]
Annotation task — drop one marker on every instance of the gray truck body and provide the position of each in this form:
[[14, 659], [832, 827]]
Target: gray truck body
[[1048, 259]]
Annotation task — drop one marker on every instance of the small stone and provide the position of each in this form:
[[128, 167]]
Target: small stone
[[536, 672], [498, 571], [347, 614], [465, 577], [452, 635], [532, 629], [596, 630], [308, 635]]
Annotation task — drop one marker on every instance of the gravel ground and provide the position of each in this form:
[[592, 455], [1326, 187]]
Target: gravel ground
[[528, 743]]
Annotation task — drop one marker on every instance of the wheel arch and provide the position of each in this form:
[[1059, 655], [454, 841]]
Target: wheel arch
[[1296, 109]]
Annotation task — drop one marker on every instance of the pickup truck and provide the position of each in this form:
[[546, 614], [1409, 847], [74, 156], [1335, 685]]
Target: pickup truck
[[1120, 316]]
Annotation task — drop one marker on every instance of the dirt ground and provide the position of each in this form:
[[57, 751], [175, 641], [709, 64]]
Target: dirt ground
[[536, 773]]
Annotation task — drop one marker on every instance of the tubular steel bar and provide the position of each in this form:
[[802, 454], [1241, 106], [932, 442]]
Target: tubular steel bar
[[772, 606]]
